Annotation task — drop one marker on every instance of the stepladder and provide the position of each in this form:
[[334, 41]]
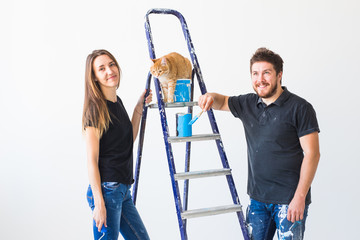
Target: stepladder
[[181, 204]]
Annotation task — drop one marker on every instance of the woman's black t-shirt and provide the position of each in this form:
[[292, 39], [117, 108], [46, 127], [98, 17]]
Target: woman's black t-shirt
[[116, 146]]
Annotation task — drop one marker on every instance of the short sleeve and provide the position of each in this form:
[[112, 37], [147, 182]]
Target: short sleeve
[[306, 120], [241, 105], [234, 106]]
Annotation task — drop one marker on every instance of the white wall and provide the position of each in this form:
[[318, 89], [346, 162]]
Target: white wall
[[44, 44]]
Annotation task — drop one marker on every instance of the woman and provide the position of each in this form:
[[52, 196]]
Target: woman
[[109, 135]]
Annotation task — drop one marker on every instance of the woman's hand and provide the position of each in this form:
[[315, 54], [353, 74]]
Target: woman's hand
[[148, 98], [139, 105], [135, 120], [99, 215]]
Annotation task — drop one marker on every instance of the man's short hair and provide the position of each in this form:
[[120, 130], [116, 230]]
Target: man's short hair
[[266, 55]]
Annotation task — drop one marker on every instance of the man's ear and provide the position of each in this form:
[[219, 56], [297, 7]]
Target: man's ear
[[279, 75]]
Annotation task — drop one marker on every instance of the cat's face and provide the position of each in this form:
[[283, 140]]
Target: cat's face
[[159, 68]]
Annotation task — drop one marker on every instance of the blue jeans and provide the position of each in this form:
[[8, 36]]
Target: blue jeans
[[121, 214], [264, 219]]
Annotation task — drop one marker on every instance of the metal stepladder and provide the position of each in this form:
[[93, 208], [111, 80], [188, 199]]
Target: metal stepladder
[[182, 210]]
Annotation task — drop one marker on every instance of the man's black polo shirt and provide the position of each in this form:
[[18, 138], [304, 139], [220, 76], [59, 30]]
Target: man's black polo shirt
[[274, 152]]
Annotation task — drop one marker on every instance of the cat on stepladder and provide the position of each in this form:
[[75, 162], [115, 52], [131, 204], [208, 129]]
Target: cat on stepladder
[[168, 69]]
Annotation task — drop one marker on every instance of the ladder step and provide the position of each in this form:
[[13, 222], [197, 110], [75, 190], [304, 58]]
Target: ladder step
[[174, 105], [193, 138], [202, 174], [210, 211]]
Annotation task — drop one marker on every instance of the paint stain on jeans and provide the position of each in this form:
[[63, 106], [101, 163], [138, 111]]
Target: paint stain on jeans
[[283, 217]]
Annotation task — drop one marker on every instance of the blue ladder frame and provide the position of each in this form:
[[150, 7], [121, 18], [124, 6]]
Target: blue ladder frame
[[161, 106]]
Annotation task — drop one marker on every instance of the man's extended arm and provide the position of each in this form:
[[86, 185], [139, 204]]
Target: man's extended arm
[[215, 101]]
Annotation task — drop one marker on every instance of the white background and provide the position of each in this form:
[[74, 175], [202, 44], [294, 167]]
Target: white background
[[44, 44]]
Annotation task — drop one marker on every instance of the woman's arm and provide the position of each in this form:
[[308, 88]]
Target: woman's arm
[[92, 149], [135, 120]]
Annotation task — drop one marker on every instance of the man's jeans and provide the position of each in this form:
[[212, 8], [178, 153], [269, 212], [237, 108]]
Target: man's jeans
[[264, 219], [121, 214]]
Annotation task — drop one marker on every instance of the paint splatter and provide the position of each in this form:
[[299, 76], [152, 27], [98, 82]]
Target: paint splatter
[[282, 216], [249, 227]]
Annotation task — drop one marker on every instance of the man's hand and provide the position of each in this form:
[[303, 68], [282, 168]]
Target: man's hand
[[205, 102], [215, 101], [296, 209]]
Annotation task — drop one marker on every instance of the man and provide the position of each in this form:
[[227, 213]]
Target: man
[[283, 149]]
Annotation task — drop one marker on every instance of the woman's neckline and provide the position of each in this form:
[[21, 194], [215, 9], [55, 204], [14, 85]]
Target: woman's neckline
[[112, 101]]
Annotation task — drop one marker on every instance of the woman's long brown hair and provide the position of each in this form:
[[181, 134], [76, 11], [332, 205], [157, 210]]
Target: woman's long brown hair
[[95, 112]]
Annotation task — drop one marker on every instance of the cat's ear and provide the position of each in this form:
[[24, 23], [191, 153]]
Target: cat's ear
[[163, 61], [152, 62]]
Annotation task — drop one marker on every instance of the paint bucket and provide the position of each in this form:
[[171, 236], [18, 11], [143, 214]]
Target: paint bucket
[[182, 90], [183, 129]]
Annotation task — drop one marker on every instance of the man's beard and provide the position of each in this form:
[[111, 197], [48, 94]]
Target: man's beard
[[271, 93]]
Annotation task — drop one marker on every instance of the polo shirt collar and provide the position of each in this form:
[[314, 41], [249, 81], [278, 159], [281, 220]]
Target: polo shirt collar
[[280, 100]]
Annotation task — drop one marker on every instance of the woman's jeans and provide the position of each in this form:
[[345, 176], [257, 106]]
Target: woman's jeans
[[264, 219], [121, 214]]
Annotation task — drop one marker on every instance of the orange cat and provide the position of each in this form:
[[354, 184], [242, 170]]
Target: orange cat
[[168, 69]]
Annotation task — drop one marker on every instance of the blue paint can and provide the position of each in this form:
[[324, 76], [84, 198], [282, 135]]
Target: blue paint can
[[183, 129], [182, 90]]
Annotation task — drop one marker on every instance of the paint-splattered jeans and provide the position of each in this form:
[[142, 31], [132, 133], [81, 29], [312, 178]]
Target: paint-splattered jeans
[[264, 219], [121, 214]]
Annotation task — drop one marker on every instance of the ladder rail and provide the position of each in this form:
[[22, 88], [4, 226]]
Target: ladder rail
[[141, 141], [199, 76], [210, 115], [187, 156], [166, 134], [214, 127], [170, 157]]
